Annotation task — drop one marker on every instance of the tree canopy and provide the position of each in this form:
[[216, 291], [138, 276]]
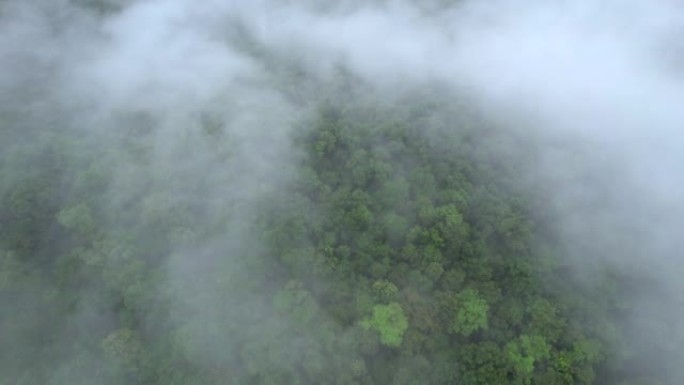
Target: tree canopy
[[400, 249]]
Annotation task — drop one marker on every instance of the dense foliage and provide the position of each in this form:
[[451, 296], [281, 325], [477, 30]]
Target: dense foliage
[[398, 250]]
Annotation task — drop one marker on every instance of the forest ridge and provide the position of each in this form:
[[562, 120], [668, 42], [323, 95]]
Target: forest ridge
[[369, 192]]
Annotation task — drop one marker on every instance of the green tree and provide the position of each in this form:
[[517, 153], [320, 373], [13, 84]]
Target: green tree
[[471, 313], [524, 352], [388, 320], [384, 290]]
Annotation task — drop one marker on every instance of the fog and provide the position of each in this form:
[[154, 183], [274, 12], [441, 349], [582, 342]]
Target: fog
[[595, 87]]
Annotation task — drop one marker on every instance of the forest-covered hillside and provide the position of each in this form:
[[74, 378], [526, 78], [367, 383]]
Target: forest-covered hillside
[[400, 250], [371, 192]]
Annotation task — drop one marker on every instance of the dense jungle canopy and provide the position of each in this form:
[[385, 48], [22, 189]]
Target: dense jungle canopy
[[363, 234]]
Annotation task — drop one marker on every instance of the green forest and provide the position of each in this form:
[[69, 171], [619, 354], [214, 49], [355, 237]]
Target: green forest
[[401, 250], [393, 235]]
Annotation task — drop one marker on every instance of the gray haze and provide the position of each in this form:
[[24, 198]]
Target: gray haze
[[597, 86]]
